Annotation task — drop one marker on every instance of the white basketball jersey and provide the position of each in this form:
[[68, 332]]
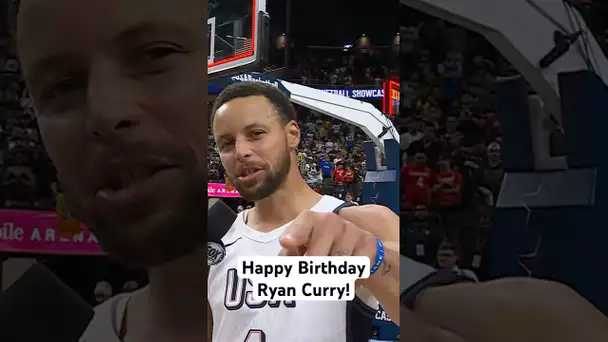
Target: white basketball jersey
[[105, 323], [239, 318]]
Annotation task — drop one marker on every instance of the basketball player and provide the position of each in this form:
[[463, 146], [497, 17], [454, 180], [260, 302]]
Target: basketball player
[[117, 79], [257, 137], [119, 88]]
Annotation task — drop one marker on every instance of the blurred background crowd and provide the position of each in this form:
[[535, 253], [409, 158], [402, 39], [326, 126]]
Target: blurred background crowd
[[28, 177], [451, 142], [452, 168]]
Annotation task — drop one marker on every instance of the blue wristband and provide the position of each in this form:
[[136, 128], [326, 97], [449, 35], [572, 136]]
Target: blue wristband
[[379, 257]]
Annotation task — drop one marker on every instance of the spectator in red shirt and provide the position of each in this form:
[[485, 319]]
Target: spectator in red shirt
[[448, 182], [338, 173], [349, 178], [416, 180], [447, 192]]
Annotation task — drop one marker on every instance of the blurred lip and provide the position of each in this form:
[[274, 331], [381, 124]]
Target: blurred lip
[[249, 172], [250, 176], [139, 190], [121, 179]]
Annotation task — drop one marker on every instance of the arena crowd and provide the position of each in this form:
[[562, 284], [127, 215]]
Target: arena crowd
[[451, 143], [28, 177]]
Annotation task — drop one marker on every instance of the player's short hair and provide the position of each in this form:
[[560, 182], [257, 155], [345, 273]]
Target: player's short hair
[[283, 107]]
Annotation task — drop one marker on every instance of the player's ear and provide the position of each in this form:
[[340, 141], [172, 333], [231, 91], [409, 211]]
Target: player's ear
[[293, 134]]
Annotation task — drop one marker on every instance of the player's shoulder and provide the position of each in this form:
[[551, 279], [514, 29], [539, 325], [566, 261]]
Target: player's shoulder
[[327, 204], [412, 272], [416, 277], [102, 327]]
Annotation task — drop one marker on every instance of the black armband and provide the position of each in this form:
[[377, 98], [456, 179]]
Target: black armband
[[437, 278]]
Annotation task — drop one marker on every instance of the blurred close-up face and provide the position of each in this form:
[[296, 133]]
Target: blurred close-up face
[[446, 257], [119, 90], [103, 292], [420, 158], [485, 222], [494, 154], [421, 212], [256, 148]]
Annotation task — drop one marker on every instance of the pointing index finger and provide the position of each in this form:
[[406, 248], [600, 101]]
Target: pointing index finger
[[297, 234]]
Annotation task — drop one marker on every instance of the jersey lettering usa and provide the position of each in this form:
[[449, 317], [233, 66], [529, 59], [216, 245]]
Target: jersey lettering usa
[[238, 317], [239, 292]]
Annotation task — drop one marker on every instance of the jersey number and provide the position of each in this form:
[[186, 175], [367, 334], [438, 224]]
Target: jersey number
[[255, 335], [420, 182]]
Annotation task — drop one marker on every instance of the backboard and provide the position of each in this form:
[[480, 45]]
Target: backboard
[[233, 33]]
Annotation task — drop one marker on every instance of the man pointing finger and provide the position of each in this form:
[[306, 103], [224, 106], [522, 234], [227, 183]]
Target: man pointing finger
[[371, 231], [257, 138]]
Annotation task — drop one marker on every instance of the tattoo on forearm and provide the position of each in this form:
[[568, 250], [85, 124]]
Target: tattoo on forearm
[[386, 268], [341, 252]]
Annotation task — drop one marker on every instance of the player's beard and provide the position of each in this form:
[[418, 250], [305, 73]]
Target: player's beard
[[274, 178], [162, 239]]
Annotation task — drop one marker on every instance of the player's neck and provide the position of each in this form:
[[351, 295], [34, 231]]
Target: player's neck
[[285, 204], [174, 306]]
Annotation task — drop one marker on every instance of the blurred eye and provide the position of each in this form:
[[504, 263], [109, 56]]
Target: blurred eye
[[60, 87], [225, 145], [155, 58], [159, 52], [62, 94]]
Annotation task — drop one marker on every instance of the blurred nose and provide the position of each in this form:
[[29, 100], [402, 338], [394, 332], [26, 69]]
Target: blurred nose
[[113, 109], [242, 148]]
